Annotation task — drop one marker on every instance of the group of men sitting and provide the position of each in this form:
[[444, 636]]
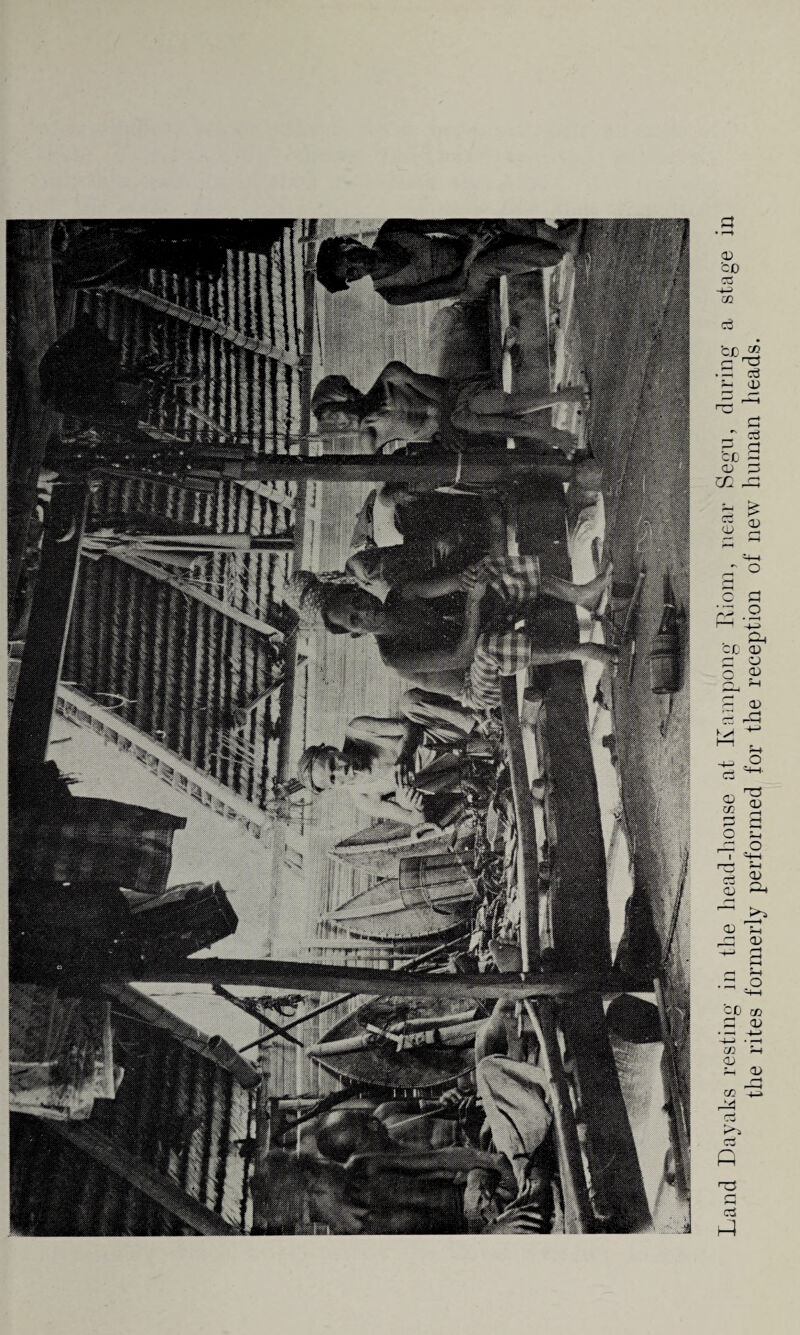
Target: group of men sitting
[[450, 614], [450, 633], [396, 1169]]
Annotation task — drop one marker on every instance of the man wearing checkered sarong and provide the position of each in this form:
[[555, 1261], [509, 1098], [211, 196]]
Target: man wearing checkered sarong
[[485, 655], [518, 582], [419, 636]]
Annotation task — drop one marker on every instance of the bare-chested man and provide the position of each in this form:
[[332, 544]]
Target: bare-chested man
[[391, 765], [427, 259]]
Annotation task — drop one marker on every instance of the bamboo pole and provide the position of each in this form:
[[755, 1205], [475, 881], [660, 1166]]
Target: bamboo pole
[[192, 590], [230, 541], [351, 996], [577, 1205], [301, 1019], [197, 321], [201, 484], [308, 976], [526, 827], [256, 1013], [45, 642]]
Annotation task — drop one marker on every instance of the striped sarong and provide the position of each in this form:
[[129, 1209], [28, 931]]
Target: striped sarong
[[502, 653]]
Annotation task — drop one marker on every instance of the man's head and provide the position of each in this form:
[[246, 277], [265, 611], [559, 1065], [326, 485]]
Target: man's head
[[342, 260], [336, 404], [350, 1131], [323, 767], [349, 610]]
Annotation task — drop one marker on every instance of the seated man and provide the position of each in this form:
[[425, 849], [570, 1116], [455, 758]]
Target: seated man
[[461, 654], [405, 407], [409, 1185], [409, 1122], [402, 1162], [423, 531], [515, 1098], [415, 260], [392, 768]]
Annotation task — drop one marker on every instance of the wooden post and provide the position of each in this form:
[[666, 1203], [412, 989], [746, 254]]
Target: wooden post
[[577, 894], [618, 1192], [577, 1207], [286, 712], [309, 976], [43, 655], [679, 1113], [480, 468], [160, 1189], [291, 658]]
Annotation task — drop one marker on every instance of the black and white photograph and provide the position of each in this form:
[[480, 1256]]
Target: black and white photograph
[[348, 627]]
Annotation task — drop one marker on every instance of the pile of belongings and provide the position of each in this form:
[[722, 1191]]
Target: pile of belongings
[[496, 913], [61, 1053]]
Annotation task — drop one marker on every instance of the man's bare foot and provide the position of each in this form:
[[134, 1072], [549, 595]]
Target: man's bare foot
[[531, 1212], [598, 589]]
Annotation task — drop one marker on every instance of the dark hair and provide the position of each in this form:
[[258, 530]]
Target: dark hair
[[335, 392], [328, 257], [339, 1134], [332, 593]]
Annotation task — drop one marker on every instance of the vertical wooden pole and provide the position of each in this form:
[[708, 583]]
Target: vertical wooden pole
[[618, 1188], [45, 642]]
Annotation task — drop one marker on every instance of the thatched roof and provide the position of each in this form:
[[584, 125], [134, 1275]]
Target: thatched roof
[[182, 667], [176, 1110]]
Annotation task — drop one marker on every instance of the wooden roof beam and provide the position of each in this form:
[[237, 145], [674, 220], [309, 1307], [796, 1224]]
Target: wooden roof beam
[[197, 321], [260, 625], [308, 976]]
